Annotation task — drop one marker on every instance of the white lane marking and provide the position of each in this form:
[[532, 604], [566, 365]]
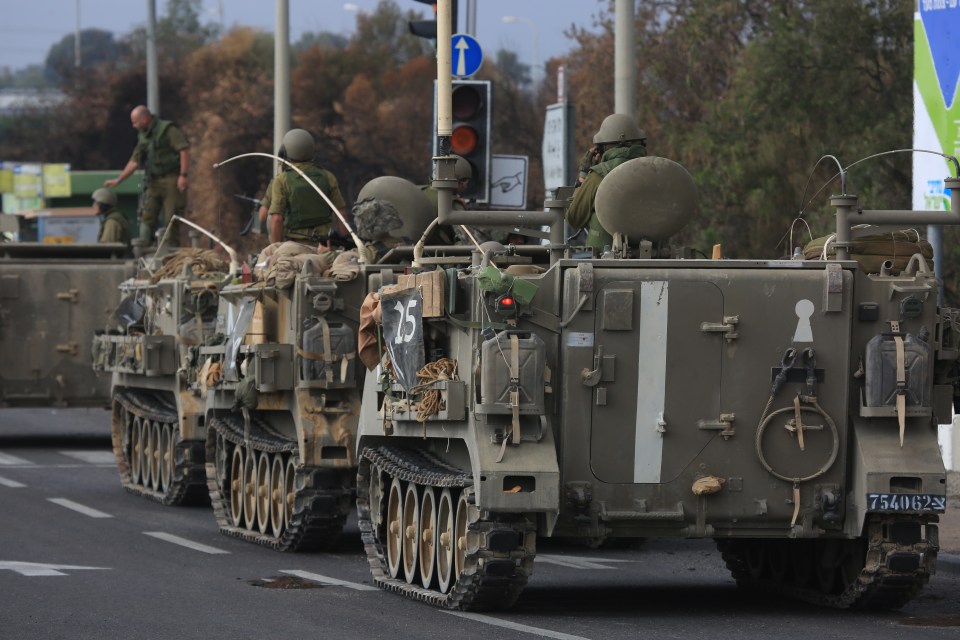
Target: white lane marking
[[13, 484], [316, 577], [66, 466], [576, 562], [8, 460], [79, 508], [183, 542], [496, 622], [33, 569], [93, 457]]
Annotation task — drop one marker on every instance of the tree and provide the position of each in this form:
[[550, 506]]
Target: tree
[[96, 47], [748, 95]]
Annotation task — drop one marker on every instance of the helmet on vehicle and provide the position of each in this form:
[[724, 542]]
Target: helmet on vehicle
[[105, 196], [299, 145], [413, 205], [616, 128], [462, 169]]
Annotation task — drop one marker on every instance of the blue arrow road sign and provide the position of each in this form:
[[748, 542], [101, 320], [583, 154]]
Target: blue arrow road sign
[[467, 55]]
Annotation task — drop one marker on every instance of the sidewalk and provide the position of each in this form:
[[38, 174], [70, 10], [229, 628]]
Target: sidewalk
[[950, 521]]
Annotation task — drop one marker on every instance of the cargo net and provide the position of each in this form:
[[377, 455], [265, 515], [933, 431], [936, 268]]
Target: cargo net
[[205, 264]]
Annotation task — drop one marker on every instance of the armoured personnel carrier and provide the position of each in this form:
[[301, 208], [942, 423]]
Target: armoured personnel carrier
[[787, 409], [167, 311], [52, 299], [281, 416]]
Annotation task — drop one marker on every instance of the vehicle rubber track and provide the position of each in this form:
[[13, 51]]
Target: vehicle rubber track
[[187, 484], [495, 570], [322, 495], [877, 585]]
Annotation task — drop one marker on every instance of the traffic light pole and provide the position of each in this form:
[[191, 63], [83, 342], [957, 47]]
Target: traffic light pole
[[445, 179]]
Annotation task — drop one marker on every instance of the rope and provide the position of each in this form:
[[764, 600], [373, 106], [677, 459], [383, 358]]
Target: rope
[[431, 403], [203, 262]]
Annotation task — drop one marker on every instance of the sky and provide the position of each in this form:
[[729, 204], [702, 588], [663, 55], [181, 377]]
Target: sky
[[29, 28]]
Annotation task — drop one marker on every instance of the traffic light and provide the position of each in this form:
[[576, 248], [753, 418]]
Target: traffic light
[[472, 109], [428, 28]]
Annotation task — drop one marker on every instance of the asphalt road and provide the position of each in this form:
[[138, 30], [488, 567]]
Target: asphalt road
[[81, 558]]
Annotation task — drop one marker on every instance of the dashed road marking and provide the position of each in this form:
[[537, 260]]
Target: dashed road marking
[[79, 508], [13, 484], [8, 460], [577, 562], [33, 569], [496, 622], [316, 577], [183, 542], [93, 457]]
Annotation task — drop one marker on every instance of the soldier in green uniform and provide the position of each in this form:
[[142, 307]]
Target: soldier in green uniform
[[619, 139], [164, 154], [297, 211], [113, 224]]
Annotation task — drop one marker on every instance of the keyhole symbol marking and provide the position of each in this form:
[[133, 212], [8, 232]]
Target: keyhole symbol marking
[[804, 310]]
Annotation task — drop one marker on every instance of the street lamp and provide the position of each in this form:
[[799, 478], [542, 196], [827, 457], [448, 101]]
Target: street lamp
[[536, 43]]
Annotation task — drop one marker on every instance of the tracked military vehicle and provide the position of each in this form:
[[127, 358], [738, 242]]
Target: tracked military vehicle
[[166, 313], [786, 408], [281, 417], [52, 299]]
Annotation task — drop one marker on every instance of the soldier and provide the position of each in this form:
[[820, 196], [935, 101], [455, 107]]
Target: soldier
[[619, 139], [297, 211], [464, 173], [164, 154], [374, 219], [114, 226]]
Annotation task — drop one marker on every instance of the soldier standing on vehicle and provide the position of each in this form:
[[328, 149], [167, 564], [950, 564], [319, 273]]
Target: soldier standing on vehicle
[[164, 154], [297, 211], [619, 139], [114, 226]]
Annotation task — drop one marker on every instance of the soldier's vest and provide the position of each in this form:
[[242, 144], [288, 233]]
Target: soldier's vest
[[162, 158], [306, 207]]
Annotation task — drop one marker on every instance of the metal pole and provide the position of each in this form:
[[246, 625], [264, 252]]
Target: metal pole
[[935, 238], [76, 40], [153, 82], [281, 74], [472, 17], [624, 63]]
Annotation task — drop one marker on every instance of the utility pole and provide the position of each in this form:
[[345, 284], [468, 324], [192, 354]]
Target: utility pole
[[624, 61], [153, 83], [76, 40], [281, 75]]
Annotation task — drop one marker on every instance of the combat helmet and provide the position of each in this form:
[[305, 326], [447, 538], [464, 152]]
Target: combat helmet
[[299, 145], [462, 169], [105, 196], [617, 128]]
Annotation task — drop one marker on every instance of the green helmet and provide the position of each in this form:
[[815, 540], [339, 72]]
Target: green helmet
[[462, 169], [105, 196], [299, 145], [617, 128]]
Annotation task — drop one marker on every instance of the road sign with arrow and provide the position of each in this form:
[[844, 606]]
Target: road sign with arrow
[[467, 55]]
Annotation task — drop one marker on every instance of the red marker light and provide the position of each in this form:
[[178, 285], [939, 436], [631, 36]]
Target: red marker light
[[506, 305]]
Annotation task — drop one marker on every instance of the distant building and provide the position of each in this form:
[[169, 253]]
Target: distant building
[[14, 101]]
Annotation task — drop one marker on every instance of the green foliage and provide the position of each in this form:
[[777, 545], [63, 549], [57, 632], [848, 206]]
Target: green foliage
[[750, 94]]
